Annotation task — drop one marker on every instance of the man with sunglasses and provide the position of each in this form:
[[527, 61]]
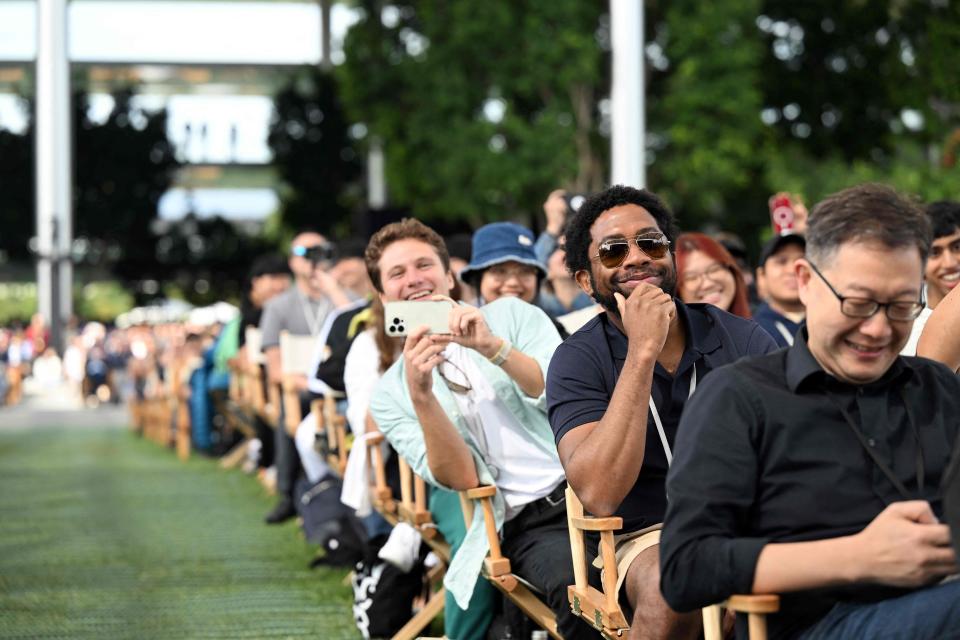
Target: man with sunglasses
[[616, 388], [301, 310], [815, 472]]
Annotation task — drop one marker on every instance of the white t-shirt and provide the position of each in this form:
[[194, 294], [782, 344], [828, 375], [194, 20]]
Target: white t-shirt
[[360, 378], [910, 349], [523, 472]]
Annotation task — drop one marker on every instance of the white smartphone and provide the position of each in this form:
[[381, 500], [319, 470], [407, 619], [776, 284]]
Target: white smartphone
[[402, 318]]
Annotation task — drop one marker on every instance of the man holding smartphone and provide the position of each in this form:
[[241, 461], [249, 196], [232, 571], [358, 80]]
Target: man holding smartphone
[[467, 408]]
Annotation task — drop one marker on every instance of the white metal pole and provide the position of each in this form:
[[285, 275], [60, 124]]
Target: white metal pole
[[325, 31], [628, 122], [376, 179], [54, 153]]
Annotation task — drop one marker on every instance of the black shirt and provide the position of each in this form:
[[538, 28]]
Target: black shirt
[[249, 316], [339, 341], [764, 454], [584, 372]]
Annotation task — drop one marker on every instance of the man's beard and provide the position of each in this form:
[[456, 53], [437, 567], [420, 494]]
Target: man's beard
[[668, 284]]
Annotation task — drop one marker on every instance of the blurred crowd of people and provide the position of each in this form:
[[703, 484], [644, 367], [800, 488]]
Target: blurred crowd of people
[[91, 370], [551, 343]]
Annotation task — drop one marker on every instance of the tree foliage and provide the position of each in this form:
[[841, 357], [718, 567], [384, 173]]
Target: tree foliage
[[123, 166], [706, 131], [483, 108], [16, 193], [313, 153], [744, 98]]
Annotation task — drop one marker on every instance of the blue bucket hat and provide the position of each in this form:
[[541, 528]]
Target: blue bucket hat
[[500, 242]]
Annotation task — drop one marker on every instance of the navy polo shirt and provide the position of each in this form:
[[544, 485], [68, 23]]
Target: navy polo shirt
[[772, 321], [584, 372]]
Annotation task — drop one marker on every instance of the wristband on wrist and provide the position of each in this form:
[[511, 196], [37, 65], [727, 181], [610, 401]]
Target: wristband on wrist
[[502, 353]]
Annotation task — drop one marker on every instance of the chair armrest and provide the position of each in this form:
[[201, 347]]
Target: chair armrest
[[478, 493], [760, 603], [496, 564], [587, 523], [382, 495]]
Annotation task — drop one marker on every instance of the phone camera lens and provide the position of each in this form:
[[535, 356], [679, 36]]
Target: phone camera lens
[[396, 321]]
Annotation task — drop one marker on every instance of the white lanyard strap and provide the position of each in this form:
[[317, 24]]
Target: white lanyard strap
[[659, 423], [783, 331], [312, 317]]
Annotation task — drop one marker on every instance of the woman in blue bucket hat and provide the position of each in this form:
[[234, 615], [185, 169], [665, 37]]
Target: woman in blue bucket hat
[[504, 263]]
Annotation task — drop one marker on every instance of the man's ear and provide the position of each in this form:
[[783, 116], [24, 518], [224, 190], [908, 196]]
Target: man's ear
[[760, 276], [451, 280], [803, 272], [583, 280]]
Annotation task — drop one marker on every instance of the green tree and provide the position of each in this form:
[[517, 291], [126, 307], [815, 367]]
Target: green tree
[[203, 260], [709, 140], [16, 193], [483, 108], [313, 153], [123, 166]]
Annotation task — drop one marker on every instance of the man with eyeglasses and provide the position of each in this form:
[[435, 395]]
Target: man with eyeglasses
[[301, 310], [617, 387], [815, 472]]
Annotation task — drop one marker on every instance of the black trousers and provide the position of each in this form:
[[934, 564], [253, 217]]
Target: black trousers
[[537, 541]]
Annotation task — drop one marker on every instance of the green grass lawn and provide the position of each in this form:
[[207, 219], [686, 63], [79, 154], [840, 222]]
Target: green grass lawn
[[103, 535]]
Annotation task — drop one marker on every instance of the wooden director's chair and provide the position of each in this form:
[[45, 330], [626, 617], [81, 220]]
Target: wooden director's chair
[[295, 361], [239, 411], [496, 567], [602, 609], [380, 493], [179, 398], [412, 509], [332, 425], [254, 394]]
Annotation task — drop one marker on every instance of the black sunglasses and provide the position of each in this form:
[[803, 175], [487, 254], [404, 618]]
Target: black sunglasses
[[611, 253], [315, 253]]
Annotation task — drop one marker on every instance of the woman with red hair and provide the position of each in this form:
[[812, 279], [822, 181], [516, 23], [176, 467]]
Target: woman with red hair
[[706, 272]]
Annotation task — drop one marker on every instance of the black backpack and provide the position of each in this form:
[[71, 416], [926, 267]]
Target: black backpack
[[329, 522], [383, 595]]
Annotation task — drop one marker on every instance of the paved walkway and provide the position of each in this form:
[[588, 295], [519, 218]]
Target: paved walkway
[[58, 406], [105, 535]]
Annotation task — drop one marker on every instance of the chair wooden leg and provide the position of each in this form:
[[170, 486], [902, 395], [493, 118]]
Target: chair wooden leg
[[712, 623], [236, 455], [420, 621], [757, 625]]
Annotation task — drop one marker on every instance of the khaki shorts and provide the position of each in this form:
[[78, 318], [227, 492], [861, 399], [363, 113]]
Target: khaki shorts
[[630, 545]]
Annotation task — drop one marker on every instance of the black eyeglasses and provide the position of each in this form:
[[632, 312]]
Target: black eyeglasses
[[611, 253], [853, 307]]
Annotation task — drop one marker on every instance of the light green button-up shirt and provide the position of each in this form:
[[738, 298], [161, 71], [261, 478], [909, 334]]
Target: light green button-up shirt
[[531, 332]]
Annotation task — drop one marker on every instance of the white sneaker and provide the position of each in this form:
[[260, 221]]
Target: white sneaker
[[402, 547]]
